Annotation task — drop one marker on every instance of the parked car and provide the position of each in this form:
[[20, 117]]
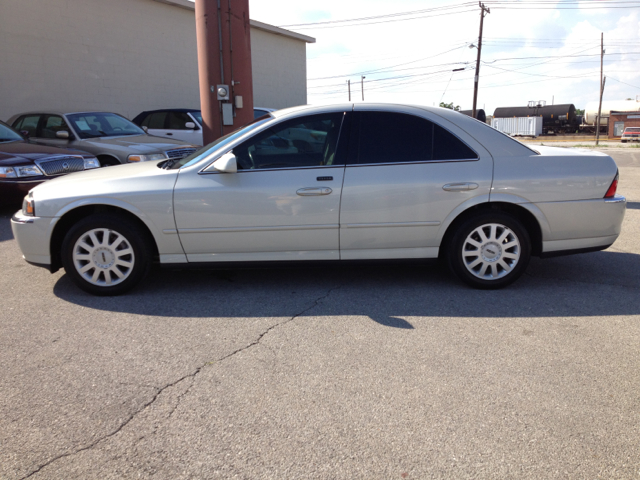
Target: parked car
[[631, 134], [110, 137], [24, 165], [391, 182], [180, 123]]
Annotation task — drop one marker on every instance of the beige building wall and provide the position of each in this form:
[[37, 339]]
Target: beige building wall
[[125, 56]]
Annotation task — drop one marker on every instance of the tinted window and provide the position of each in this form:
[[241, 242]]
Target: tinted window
[[177, 120], [53, 124], [156, 120], [386, 137], [145, 122], [447, 146], [303, 142], [198, 117], [394, 138], [28, 123]]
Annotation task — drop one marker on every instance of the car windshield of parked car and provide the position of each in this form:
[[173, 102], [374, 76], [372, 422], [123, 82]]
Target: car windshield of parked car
[[198, 155], [197, 116], [8, 134], [93, 125]]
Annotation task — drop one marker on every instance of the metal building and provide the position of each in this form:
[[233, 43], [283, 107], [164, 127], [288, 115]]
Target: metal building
[[127, 56]]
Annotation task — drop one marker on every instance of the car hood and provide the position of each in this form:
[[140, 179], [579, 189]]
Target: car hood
[[134, 184], [19, 152], [134, 143]]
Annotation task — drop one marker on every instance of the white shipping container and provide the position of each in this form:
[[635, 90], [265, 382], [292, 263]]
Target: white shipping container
[[523, 126]]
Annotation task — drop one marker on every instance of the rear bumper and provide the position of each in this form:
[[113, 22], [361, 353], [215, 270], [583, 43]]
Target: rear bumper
[[582, 226]]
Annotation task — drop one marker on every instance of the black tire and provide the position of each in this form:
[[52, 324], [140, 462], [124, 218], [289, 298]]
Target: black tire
[[495, 265], [122, 248], [108, 161]]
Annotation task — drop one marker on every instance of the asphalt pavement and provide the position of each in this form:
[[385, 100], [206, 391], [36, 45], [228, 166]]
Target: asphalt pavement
[[377, 372]]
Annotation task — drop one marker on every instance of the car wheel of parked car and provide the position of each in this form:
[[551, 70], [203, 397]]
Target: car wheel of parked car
[[106, 254], [490, 250]]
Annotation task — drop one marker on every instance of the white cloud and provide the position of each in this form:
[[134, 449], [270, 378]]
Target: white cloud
[[509, 36]]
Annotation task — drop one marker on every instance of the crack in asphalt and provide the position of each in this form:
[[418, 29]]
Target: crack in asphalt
[[192, 375]]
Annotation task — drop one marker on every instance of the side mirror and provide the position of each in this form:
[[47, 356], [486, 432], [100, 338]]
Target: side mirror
[[190, 125], [146, 129], [62, 134], [227, 163], [24, 133]]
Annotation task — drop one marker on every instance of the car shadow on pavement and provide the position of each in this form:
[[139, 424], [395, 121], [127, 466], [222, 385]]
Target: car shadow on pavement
[[6, 212], [594, 284], [633, 205]]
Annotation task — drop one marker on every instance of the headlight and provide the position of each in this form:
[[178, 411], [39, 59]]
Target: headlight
[[7, 172], [29, 206], [20, 171], [91, 162], [146, 158]]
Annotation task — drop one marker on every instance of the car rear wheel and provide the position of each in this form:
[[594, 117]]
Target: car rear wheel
[[490, 250], [106, 254]]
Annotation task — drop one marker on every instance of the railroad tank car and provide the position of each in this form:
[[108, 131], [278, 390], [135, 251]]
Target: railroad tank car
[[480, 114], [591, 110]]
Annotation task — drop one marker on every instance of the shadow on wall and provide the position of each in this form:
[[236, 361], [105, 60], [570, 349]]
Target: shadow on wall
[[601, 283]]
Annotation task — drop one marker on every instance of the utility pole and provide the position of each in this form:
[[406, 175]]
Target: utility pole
[[224, 66], [602, 80], [483, 11], [349, 86], [362, 85]]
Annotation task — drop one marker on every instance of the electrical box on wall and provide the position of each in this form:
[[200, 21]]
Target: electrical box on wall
[[238, 101], [222, 92], [227, 113]]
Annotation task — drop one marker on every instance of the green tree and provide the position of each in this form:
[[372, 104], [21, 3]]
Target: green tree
[[579, 111], [450, 106]]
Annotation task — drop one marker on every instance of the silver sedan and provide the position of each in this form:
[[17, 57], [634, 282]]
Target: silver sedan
[[389, 182]]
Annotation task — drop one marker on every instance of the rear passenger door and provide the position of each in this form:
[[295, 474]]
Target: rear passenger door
[[406, 173]]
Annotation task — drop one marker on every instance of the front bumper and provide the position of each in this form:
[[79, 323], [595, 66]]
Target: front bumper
[[12, 191], [33, 235]]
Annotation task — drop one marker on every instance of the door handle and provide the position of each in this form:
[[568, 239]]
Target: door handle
[[459, 187], [309, 191], [169, 133]]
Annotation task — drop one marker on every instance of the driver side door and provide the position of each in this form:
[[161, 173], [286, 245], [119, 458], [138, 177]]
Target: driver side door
[[282, 204]]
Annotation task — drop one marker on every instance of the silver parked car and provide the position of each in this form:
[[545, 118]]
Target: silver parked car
[[390, 182], [110, 137]]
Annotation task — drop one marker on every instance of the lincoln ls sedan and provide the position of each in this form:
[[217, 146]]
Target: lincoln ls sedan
[[389, 182]]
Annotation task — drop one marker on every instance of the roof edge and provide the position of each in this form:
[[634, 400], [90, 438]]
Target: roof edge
[[254, 23]]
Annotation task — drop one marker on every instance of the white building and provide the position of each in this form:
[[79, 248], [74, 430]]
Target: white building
[[127, 56]]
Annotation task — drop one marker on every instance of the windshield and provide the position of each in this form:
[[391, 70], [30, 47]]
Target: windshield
[[195, 157], [92, 125], [8, 134], [198, 116]]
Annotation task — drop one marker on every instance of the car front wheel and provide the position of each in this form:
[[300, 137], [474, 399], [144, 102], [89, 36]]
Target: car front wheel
[[106, 254], [490, 250]]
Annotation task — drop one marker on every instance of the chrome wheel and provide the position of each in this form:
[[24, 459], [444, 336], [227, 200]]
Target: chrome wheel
[[491, 251], [103, 257]]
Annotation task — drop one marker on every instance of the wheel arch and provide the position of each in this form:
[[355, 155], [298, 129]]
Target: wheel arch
[[530, 217], [72, 216], [110, 159]]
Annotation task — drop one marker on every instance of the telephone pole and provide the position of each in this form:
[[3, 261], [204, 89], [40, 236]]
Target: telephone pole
[[483, 12], [349, 86], [602, 80], [362, 85]]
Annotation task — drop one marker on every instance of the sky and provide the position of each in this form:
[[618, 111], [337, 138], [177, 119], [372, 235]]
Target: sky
[[531, 50]]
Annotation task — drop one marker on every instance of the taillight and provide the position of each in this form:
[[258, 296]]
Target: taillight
[[612, 189]]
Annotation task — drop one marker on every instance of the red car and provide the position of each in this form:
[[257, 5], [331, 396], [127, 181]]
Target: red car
[[24, 165], [631, 134]]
